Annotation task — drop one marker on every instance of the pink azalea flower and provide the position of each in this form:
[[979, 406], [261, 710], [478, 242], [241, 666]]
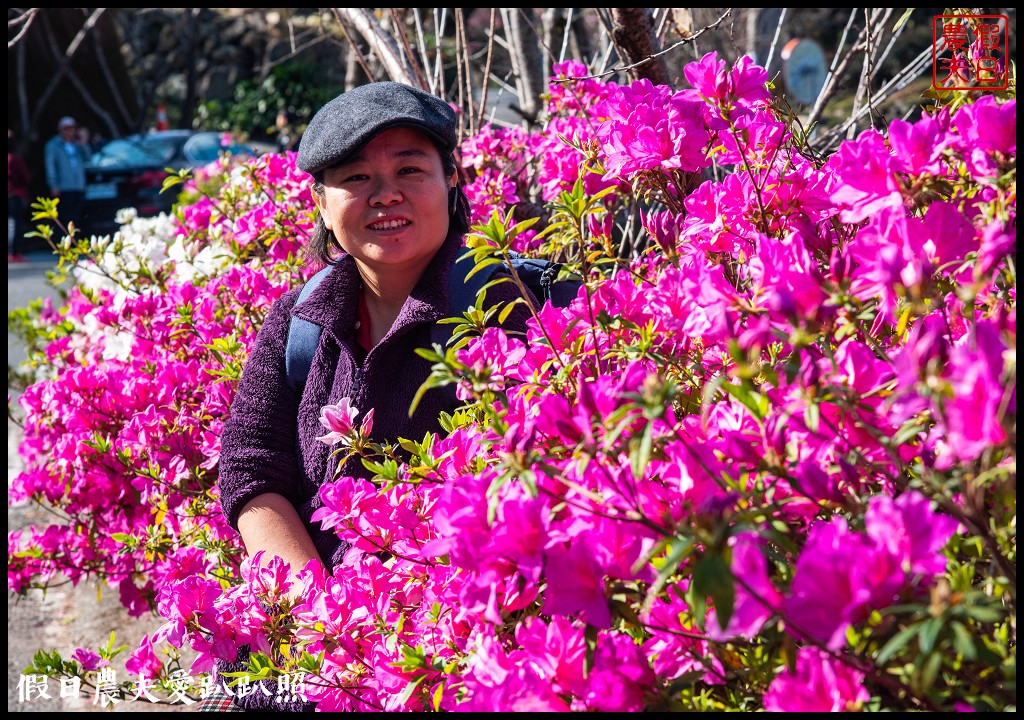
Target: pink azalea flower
[[88, 659], [144, 661], [621, 677], [869, 184], [557, 650], [840, 576], [909, 529], [652, 127], [339, 420], [975, 372], [819, 684], [917, 147], [998, 240], [889, 252], [675, 648], [951, 235], [708, 76], [988, 125], [575, 585], [756, 599]]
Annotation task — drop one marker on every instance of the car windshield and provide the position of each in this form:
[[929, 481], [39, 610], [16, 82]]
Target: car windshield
[[205, 147], [130, 152]]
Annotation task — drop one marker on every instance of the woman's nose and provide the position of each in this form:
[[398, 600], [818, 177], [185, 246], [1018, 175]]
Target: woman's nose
[[385, 193]]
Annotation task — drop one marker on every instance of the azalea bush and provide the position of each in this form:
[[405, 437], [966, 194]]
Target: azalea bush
[[765, 460]]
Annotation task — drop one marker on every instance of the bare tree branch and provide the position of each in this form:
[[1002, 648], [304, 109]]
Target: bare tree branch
[[63, 62], [871, 26], [354, 51], [524, 48], [566, 34], [916, 67], [834, 72], [487, 69], [462, 63], [396, 65], [90, 23], [775, 38], [685, 41], [22, 89], [25, 19], [115, 91], [410, 56]]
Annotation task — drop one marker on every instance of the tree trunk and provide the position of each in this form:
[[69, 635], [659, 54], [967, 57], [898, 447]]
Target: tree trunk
[[188, 105], [634, 36], [583, 34]]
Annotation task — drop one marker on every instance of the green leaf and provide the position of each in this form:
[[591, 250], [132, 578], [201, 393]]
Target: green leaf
[[754, 401], [507, 310], [924, 679], [963, 641], [643, 454], [681, 548], [311, 664], [712, 577], [983, 614], [409, 690], [812, 416], [910, 429], [903, 19], [898, 641], [930, 630]]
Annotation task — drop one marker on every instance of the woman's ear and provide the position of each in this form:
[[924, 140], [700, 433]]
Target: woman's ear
[[320, 200], [453, 200]]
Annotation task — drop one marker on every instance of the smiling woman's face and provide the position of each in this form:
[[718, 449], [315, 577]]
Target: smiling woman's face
[[387, 204]]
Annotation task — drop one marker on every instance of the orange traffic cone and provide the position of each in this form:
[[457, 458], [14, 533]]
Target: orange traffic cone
[[161, 118]]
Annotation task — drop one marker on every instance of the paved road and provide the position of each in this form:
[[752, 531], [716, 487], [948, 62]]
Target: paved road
[[65, 617]]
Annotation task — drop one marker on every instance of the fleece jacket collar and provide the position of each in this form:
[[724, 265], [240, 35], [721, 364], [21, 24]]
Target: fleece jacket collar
[[427, 303]]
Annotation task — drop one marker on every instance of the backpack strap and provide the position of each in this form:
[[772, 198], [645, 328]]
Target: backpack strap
[[303, 338], [463, 289], [462, 292]]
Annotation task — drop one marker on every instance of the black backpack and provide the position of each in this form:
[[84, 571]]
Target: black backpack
[[541, 276]]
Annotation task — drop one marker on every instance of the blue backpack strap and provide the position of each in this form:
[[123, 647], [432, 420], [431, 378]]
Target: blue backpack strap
[[538, 274], [462, 292], [303, 337], [462, 289]]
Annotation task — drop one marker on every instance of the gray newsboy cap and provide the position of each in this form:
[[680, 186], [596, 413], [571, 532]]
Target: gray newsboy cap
[[352, 119]]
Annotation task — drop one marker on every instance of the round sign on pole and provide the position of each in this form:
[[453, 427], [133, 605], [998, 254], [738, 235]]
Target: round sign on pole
[[803, 70]]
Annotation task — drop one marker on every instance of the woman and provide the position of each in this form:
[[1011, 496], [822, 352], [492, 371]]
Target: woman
[[391, 223]]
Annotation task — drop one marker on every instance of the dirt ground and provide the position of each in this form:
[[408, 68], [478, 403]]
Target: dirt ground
[[62, 619], [65, 617]]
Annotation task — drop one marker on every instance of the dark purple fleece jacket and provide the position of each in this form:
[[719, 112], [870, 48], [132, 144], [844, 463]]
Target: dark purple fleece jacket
[[259, 445]]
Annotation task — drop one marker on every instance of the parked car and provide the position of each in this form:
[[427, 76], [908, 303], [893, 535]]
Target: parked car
[[130, 171]]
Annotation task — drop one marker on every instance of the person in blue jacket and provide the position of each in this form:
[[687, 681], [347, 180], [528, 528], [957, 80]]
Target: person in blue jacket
[[391, 225], [65, 158]]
